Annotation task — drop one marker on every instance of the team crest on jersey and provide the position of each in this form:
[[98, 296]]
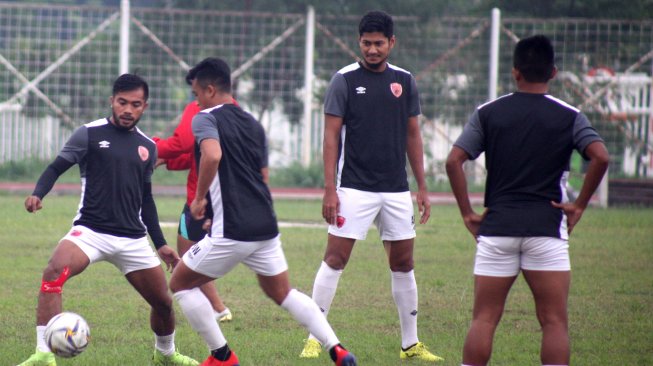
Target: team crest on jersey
[[143, 152], [396, 89]]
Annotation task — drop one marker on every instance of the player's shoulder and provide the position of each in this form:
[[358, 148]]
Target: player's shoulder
[[398, 69], [349, 68], [97, 123], [562, 103], [146, 139]]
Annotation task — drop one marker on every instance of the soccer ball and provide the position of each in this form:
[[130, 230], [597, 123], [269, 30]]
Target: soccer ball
[[67, 334]]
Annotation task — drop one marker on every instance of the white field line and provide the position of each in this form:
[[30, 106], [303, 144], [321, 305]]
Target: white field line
[[283, 224]]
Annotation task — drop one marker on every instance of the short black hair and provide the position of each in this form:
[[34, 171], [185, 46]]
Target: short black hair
[[534, 58], [129, 82], [376, 21], [211, 71]]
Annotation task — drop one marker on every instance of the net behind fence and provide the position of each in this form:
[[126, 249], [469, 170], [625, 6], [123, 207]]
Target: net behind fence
[[58, 63]]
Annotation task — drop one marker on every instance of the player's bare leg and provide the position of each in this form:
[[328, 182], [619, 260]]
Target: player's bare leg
[[490, 295], [151, 285], [66, 261], [550, 291]]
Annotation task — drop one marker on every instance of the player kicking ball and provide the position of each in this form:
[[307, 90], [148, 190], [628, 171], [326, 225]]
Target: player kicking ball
[[233, 176]]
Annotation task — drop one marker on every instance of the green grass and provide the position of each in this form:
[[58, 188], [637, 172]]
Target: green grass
[[610, 305]]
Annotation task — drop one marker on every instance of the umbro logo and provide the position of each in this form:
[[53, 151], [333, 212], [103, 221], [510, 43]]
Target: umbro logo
[[360, 90], [104, 144]]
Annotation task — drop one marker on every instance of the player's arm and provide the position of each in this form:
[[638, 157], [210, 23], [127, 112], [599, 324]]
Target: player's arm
[[598, 165], [182, 140], [46, 182], [330, 202], [211, 154], [72, 152], [206, 134], [458, 181], [182, 162], [415, 152]]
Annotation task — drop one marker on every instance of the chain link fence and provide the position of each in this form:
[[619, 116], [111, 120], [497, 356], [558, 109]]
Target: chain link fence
[[57, 64]]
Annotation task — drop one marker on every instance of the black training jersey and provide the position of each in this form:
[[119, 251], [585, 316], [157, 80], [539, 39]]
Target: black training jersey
[[375, 107], [114, 165], [528, 140], [239, 198]]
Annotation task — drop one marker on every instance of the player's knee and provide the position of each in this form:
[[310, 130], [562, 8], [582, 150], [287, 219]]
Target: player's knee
[[336, 262], [54, 286], [402, 266], [163, 305]]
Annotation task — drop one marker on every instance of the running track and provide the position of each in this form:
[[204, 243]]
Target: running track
[[292, 193]]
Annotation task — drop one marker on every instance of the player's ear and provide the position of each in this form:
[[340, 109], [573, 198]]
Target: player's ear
[[392, 41], [516, 74], [554, 72]]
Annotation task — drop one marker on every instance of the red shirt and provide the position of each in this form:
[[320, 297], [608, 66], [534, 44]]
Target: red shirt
[[178, 150]]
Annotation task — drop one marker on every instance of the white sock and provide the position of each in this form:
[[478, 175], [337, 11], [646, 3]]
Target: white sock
[[404, 292], [199, 312], [165, 344], [324, 288], [40, 339], [305, 311]]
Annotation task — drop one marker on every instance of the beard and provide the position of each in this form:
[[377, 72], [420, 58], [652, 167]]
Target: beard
[[376, 65], [118, 122]]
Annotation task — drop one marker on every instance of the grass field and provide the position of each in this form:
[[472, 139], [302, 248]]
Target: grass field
[[611, 301]]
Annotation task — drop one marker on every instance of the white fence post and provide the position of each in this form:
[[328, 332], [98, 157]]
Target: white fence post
[[494, 54], [124, 37], [308, 87]]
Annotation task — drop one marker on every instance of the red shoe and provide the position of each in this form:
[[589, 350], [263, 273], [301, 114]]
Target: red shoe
[[212, 361], [342, 356]]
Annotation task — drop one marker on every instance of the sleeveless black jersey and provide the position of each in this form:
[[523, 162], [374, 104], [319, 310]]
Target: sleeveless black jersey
[[240, 202], [528, 140], [375, 107], [114, 164]]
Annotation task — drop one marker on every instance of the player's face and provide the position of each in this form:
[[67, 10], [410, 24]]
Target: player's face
[[203, 96], [375, 48], [128, 107]]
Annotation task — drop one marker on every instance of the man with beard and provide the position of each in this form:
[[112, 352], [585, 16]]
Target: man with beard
[[371, 109], [116, 161]]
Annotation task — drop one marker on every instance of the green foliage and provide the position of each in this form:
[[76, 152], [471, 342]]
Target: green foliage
[[609, 304], [296, 175], [30, 171]]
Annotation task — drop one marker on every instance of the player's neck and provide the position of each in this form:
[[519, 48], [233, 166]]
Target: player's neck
[[221, 99], [532, 88]]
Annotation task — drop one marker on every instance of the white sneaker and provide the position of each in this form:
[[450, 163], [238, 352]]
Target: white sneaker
[[223, 316]]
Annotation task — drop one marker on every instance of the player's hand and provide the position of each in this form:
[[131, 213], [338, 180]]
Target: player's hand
[[198, 208], [473, 222], [33, 204], [423, 205], [330, 206], [159, 162], [169, 256], [206, 226], [572, 211]]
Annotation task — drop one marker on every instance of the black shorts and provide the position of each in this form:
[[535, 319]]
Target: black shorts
[[189, 228]]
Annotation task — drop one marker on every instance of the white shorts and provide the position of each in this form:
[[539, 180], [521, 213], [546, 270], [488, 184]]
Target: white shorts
[[391, 212], [127, 254], [215, 257], [504, 256]]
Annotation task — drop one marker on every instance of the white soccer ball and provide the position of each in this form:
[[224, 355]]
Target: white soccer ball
[[67, 334]]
